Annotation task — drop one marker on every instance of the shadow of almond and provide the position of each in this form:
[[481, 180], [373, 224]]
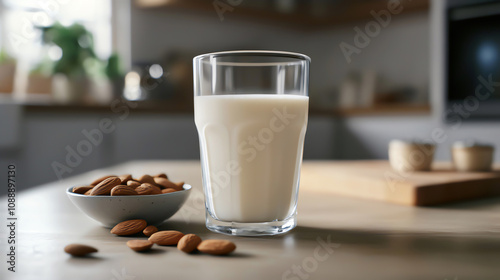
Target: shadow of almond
[[85, 260], [152, 251]]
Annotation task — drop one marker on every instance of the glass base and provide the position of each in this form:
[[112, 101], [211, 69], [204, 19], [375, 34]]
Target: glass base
[[251, 229]]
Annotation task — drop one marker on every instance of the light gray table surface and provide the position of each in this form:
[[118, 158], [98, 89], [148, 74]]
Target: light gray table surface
[[336, 238]]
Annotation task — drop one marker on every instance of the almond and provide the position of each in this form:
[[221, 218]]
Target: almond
[[123, 190], [162, 175], [125, 178], [104, 187], [88, 192], [139, 245], [168, 190], [149, 230], [129, 227], [188, 243], [97, 181], [166, 237], [166, 183], [82, 189], [79, 250], [146, 179], [147, 189], [133, 184], [180, 185], [216, 247]]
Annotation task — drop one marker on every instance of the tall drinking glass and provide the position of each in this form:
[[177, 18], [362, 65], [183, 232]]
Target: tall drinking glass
[[251, 115]]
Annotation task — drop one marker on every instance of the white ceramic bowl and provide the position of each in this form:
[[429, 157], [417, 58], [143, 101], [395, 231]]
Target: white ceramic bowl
[[472, 157], [408, 156], [110, 210]]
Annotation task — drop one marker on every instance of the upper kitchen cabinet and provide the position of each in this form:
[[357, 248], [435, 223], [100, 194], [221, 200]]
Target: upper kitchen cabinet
[[304, 15]]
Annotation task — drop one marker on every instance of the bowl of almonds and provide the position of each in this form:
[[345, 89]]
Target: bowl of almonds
[[112, 199]]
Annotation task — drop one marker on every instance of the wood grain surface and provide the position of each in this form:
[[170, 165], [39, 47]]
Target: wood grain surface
[[377, 180]]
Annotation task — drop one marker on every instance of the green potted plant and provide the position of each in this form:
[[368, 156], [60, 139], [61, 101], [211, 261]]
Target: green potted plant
[[40, 78], [114, 72], [78, 62], [7, 72]]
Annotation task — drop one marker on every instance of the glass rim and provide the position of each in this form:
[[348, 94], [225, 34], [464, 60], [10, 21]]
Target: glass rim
[[282, 54]]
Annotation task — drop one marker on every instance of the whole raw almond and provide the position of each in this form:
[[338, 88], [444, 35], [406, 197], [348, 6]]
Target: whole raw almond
[[180, 185], [149, 230], [146, 179], [139, 245], [133, 184], [129, 227], [147, 189], [104, 187], [79, 250], [216, 247], [88, 192], [82, 189], [168, 190], [166, 183], [162, 175], [97, 181], [188, 243], [166, 237], [125, 178], [123, 190]]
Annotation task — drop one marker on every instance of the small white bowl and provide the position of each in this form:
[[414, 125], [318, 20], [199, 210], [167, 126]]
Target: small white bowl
[[472, 156], [409, 156], [110, 210]]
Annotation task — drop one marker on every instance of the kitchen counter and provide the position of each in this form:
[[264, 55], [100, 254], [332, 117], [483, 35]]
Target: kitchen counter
[[336, 238]]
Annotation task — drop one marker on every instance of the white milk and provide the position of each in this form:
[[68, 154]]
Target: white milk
[[253, 146]]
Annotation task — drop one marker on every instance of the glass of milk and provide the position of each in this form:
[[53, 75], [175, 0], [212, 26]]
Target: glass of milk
[[251, 111]]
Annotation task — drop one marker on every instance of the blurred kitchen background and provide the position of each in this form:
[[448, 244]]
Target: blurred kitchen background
[[91, 83]]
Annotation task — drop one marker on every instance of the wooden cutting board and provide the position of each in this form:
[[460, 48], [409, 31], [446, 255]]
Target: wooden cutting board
[[377, 180]]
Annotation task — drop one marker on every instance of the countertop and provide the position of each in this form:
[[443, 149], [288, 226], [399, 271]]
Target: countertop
[[336, 238]]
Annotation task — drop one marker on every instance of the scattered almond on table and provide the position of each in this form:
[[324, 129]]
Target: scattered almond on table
[[79, 250], [186, 243], [166, 237], [126, 185], [140, 245], [149, 230], [216, 247]]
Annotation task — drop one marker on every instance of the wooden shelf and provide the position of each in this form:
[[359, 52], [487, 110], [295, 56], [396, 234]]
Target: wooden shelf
[[377, 110], [333, 13], [172, 108], [143, 107]]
